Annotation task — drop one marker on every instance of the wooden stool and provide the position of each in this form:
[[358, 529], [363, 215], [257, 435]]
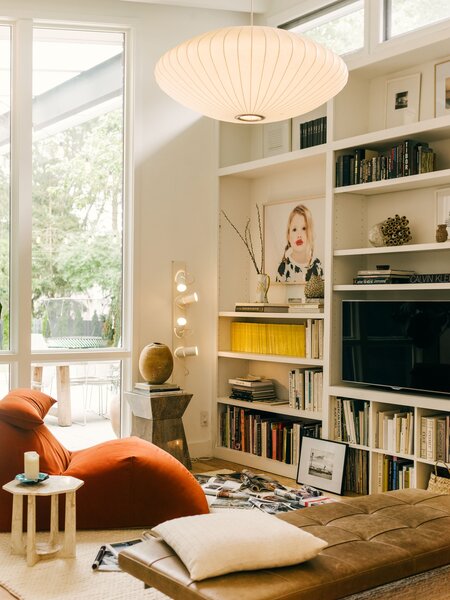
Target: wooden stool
[[53, 486]]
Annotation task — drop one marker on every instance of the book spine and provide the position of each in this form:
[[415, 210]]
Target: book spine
[[429, 278]]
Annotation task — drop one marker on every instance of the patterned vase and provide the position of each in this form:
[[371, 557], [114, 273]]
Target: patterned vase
[[441, 233], [314, 287]]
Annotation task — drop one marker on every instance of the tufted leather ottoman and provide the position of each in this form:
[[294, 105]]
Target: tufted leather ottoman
[[372, 540]]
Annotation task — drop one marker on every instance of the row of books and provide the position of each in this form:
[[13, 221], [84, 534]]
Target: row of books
[[394, 473], [410, 157], [266, 436], [351, 421], [435, 437], [356, 472], [313, 133], [269, 338], [395, 431], [305, 389]]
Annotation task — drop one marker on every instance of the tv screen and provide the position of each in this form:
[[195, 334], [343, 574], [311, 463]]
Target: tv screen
[[397, 344]]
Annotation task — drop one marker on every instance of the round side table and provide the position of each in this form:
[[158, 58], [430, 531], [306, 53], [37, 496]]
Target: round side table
[[53, 487]]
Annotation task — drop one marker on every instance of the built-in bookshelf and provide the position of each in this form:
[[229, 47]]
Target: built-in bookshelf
[[355, 120]]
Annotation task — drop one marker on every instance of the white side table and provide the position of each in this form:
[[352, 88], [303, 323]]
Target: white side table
[[53, 486]]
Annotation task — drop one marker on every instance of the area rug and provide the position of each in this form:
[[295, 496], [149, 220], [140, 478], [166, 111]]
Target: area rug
[[72, 579]]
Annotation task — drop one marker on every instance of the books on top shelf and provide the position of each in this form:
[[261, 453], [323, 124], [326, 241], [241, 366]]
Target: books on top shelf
[[387, 271], [260, 307], [364, 165], [380, 279]]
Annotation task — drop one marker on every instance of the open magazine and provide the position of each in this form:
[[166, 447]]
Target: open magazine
[[107, 555], [248, 490]]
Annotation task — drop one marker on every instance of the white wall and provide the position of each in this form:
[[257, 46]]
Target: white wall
[[175, 185]]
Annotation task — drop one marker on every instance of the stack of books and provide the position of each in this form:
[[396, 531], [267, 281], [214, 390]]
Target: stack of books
[[307, 305], [261, 307], [253, 389], [160, 389], [380, 276]]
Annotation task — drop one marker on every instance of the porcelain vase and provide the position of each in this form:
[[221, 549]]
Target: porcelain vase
[[262, 287]]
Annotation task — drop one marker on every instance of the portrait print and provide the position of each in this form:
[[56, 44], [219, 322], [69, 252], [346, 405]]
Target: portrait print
[[294, 240]]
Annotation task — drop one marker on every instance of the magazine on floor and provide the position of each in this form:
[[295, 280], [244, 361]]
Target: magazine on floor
[[107, 558], [248, 490]]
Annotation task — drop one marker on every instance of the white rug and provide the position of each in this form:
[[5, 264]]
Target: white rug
[[72, 579]]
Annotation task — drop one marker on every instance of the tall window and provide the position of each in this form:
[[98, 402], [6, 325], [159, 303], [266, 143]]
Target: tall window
[[77, 189], [402, 16], [5, 196], [339, 26], [74, 185]]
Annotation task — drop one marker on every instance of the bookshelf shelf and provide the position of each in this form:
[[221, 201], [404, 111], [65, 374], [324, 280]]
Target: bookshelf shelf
[[271, 316], [430, 247], [283, 409], [292, 360], [399, 184], [391, 287], [354, 120]]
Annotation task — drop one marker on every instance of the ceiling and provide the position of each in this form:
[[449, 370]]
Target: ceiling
[[259, 6]]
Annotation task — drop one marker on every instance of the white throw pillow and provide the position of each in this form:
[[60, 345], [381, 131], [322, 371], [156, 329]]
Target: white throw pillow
[[239, 540]]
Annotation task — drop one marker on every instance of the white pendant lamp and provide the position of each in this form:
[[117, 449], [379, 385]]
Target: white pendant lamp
[[250, 74]]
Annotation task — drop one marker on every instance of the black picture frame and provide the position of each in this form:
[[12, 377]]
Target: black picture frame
[[322, 464]]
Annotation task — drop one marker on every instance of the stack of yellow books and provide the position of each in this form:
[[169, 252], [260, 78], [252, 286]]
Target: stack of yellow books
[[269, 338]]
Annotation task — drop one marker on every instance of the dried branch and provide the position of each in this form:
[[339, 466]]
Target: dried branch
[[247, 239]]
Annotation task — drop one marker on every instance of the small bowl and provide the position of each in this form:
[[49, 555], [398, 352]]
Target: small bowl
[[22, 479]]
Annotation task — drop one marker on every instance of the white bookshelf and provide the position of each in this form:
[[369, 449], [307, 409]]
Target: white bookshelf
[[355, 119]]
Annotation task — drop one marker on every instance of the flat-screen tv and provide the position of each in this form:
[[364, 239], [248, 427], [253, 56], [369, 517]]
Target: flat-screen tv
[[397, 344]]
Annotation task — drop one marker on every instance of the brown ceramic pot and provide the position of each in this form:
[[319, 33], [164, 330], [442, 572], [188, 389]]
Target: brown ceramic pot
[[156, 363]]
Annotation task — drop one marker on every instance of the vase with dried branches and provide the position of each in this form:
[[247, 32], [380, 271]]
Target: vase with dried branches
[[263, 280]]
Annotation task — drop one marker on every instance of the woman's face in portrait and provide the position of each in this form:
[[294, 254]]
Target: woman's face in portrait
[[297, 236]]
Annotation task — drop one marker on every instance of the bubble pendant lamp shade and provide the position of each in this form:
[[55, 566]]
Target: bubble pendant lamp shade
[[250, 74]]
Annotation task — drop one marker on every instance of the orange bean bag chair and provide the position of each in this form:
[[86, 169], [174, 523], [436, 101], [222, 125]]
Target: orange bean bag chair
[[127, 482]]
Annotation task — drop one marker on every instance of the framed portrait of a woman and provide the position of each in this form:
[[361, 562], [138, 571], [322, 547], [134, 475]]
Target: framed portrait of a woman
[[294, 240]]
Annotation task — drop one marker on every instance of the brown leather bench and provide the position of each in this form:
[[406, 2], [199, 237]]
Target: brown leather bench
[[372, 540]]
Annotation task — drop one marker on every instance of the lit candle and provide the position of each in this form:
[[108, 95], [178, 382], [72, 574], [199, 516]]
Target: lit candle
[[31, 464]]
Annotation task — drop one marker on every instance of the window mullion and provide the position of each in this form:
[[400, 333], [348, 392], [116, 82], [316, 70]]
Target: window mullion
[[21, 185]]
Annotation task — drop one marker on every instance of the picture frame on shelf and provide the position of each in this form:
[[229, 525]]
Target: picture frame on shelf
[[294, 239], [276, 138], [443, 208], [442, 88], [402, 100], [322, 464]]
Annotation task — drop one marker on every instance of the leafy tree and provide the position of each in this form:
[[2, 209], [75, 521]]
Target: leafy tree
[[77, 216]]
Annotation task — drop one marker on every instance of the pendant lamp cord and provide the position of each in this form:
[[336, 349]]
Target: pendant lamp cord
[[251, 13]]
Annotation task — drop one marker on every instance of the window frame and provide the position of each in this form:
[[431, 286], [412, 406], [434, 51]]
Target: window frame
[[20, 357], [321, 13], [386, 25]]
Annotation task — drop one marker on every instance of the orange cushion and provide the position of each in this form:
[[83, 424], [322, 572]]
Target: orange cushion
[[25, 408], [132, 483]]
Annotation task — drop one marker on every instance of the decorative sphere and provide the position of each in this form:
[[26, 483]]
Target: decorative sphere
[[156, 363]]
